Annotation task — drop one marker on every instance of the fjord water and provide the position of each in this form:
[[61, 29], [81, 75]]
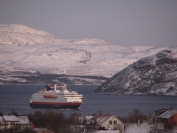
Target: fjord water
[[16, 98]]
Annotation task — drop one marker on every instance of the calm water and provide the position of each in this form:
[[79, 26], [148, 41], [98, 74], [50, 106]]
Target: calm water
[[16, 97]]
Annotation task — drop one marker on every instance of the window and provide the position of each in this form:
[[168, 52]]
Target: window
[[110, 122], [115, 122], [93, 121]]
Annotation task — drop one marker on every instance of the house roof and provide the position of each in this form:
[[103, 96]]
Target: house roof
[[101, 118], [13, 118], [23, 120], [168, 114], [1, 120], [10, 118], [164, 113]]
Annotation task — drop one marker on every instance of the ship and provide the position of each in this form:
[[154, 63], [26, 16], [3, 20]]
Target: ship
[[57, 97]]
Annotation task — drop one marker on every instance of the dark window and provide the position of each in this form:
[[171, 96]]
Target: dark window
[[110, 122], [115, 122]]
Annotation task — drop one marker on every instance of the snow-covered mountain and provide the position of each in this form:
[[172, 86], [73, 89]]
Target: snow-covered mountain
[[156, 74], [21, 35], [26, 51]]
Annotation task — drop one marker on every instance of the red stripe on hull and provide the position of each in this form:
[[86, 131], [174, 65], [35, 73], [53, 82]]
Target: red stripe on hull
[[61, 104], [69, 105]]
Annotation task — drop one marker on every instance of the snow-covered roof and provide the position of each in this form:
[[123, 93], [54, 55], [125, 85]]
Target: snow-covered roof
[[13, 118], [108, 131], [1, 120], [103, 119], [100, 118], [168, 114], [23, 120], [10, 118]]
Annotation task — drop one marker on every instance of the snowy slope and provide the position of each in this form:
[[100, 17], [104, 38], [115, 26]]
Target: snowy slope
[[155, 74], [22, 35], [29, 50]]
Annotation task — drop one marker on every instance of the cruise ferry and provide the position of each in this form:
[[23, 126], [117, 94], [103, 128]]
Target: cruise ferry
[[58, 97]]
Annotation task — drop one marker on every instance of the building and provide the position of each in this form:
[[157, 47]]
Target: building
[[10, 121], [24, 122], [166, 116], [104, 122]]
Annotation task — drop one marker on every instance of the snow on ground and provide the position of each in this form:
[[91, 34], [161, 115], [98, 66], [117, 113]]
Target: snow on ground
[[23, 48], [141, 48], [135, 128]]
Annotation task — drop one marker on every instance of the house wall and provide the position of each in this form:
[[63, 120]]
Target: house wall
[[25, 126], [173, 120], [10, 124], [2, 126], [114, 126]]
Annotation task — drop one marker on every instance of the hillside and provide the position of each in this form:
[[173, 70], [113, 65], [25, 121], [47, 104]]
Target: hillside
[[156, 74], [28, 52]]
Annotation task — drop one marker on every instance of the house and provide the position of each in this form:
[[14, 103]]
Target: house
[[104, 122], [24, 122], [166, 116], [9, 121]]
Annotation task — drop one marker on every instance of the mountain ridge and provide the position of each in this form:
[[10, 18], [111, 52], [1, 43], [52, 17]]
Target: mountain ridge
[[155, 74], [29, 50]]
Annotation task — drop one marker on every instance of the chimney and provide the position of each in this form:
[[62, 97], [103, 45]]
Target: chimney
[[100, 112]]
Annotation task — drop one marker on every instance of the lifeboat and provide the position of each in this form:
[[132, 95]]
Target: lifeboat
[[49, 96]]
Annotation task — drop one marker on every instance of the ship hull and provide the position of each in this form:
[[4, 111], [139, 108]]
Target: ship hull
[[55, 105]]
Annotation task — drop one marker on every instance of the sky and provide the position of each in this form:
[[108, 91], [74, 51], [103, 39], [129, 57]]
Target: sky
[[120, 22]]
